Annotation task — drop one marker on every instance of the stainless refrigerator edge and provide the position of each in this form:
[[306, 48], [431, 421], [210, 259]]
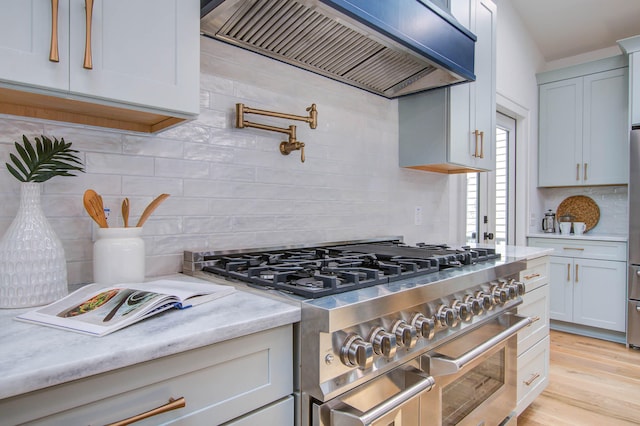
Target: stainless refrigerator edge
[[633, 308]]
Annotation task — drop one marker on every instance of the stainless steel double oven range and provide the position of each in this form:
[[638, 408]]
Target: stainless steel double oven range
[[390, 334]]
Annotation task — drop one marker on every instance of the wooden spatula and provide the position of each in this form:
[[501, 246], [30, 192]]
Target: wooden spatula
[[125, 212], [150, 208], [93, 205]]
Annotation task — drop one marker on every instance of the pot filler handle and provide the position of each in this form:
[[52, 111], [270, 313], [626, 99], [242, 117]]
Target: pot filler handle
[[441, 365], [349, 418]]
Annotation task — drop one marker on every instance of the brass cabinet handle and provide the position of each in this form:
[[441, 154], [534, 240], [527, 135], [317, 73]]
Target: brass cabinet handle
[[476, 133], [481, 144], [568, 272], [585, 170], [578, 171], [54, 55], [533, 378], [577, 273], [88, 63], [173, 404], [573, 248], [528, 277]]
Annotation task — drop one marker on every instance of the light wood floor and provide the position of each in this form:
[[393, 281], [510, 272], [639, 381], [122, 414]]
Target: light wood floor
[[591, 382]]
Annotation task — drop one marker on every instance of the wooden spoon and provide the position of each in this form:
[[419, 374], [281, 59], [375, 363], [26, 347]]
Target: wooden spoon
[[125, 212], [150, 208], [93, 205]]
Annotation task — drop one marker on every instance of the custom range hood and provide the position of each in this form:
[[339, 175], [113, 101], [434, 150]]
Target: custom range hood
[[388, 47]]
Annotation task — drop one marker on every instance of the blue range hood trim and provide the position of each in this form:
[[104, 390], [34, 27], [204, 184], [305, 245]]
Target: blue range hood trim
[[437, 36]]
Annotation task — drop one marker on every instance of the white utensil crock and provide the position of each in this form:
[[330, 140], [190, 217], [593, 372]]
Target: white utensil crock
[[119, 256]]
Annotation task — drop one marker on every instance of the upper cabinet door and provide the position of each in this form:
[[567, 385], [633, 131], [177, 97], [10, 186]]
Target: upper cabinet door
[[484, 88], [142, 52], [473, 114], [560, 149], [26, 38], [606, 132]]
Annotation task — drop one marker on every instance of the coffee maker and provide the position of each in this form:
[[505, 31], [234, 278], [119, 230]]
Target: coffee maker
[[549, 222]]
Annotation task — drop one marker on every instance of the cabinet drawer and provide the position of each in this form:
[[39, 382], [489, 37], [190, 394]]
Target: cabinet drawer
[[535, 305], [533, 374], [605, 250], [219, 383], [536, 274]]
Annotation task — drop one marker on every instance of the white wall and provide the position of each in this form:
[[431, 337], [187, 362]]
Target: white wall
[[518, 60], [231, 188]]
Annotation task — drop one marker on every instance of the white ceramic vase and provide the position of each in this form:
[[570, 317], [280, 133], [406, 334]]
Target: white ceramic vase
[[33, 269]]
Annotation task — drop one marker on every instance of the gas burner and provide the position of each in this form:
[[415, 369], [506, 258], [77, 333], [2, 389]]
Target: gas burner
[[322, 271]]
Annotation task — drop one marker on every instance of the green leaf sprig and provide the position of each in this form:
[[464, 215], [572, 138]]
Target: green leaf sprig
[[44, 161]]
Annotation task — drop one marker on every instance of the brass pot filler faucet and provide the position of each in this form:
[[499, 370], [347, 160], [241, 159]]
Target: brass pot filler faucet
[[286, 147]]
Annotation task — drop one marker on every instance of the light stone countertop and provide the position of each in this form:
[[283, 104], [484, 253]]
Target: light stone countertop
[[34, 357], [588, 236]]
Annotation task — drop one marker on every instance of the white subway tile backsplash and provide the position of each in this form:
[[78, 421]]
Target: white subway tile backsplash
[[119, 164]]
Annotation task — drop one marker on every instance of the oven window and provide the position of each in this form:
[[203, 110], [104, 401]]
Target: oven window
[[462, 396]]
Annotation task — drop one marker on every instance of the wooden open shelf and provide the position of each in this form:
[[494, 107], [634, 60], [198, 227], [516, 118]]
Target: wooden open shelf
[[37, 105]]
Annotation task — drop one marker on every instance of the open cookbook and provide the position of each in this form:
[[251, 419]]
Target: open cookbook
[[98, 310]]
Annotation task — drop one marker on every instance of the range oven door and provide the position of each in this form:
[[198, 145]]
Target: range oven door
[[475, 375], [396, 398]]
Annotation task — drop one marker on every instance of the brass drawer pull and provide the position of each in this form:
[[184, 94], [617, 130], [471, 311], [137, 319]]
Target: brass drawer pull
[[88, 63], [173, 404], [577, 273], [54, 55], [481, 144], [573, 248], [534, 319], [568, 272], [529, 277], [585, 170], [578, 171], [533, 378]]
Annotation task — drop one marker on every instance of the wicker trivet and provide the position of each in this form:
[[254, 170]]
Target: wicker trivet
[[581, 208]]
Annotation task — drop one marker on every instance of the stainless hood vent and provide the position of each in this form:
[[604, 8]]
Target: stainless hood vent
[[337, 39]]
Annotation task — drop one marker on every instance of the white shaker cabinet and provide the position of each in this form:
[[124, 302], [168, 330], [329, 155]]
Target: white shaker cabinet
[[631, 46], [588, 282], [452, 130], [237, 381], [583, 125], [116, 60]]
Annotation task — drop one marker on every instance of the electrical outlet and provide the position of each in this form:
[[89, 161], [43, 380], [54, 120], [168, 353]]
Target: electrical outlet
[[417, 220]]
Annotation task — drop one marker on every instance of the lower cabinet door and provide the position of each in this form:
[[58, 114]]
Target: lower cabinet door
[[600, 294], [561, 288]]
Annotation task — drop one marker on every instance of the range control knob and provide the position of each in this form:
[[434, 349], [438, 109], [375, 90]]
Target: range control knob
[[383, 343], [406, 334], [447, 316], [355, 352], [426, 327], [476, 304], [500, 295], [463, 309], [512, 291], [519, 286], [485, 300]]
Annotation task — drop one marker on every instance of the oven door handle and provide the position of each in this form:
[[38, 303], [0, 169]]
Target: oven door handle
[[350, 418], [441, 365]]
